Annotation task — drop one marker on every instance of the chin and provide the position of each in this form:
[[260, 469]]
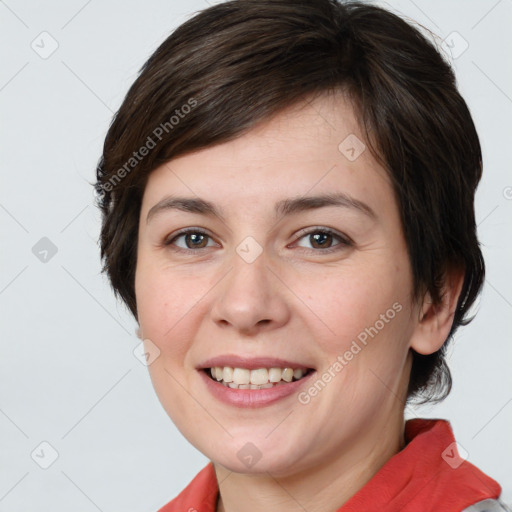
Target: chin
[[253, 458]]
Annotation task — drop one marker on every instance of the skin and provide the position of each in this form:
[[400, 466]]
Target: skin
[[295, 301]]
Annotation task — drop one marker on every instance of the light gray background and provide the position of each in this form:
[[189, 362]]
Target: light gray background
[[68, 375]]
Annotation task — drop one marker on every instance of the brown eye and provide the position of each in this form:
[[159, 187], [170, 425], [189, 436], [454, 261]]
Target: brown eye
[[323, 240], [192, 239], [195, 240]]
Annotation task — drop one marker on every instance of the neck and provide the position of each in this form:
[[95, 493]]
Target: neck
[[323, 488]]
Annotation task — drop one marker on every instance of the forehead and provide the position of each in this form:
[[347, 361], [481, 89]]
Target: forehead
[[316, 146]]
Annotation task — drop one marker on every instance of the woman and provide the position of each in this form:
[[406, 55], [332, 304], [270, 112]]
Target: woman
[[287, 194]]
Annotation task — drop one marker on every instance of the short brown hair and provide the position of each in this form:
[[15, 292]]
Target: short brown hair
[[243, 61]]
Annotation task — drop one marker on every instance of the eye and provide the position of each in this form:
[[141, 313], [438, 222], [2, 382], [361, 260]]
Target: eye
[[190, 239], [323, 239]]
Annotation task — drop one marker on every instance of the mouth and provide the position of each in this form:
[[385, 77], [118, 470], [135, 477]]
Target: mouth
[[256, 378], [246, 381]]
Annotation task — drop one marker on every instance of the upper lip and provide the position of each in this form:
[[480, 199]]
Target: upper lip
[[251, 363]]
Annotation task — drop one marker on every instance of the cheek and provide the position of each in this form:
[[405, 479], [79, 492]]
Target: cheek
[[169, 305], [162, 297], [366, 314], [167, 308], [349, 303], [160, 304]]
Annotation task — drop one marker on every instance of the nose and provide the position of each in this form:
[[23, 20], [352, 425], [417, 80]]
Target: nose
[[251, 298]]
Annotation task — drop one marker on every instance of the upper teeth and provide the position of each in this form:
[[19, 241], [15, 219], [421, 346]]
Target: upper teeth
[[260, 376]]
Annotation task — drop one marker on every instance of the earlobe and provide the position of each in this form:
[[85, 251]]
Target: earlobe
[[435, 320]]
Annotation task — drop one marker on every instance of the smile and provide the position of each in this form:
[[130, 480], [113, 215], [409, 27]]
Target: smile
[[259, 378]]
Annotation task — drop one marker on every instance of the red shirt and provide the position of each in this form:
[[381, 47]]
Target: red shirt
[[427, 475]]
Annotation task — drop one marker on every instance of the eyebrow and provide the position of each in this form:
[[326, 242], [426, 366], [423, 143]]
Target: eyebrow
[[284, 207]]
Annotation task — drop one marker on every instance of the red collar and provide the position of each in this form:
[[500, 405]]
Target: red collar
[[427, 475]]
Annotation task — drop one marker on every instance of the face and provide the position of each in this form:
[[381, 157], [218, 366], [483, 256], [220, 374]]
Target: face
[[282, 248]]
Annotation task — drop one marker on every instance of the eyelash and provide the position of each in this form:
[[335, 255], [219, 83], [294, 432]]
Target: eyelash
[[343, 241]]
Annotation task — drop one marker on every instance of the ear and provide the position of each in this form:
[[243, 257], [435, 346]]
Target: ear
[[435, 320]]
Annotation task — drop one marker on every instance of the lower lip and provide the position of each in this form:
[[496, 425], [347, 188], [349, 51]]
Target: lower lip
[[252, 397]]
